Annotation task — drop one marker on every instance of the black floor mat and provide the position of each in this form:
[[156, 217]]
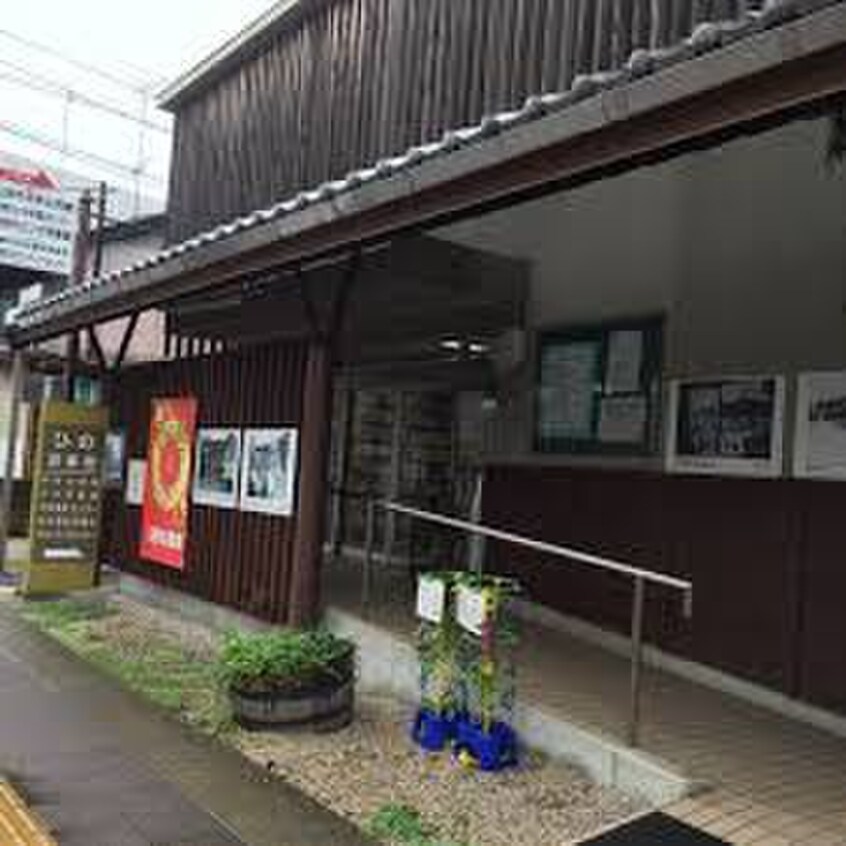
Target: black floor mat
[[655, 830]]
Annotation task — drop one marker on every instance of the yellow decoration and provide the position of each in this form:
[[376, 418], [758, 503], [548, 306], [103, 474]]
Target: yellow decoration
[[170, 495]]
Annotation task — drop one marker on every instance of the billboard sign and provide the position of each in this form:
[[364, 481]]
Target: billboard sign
[[37, 220]]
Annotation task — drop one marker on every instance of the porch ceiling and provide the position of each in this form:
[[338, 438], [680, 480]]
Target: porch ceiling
[[727, 76], [406, 299]]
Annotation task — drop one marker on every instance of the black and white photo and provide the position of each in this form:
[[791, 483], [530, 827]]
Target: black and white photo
[[217, 465], [268, 471], [820, 445], [730, 425]]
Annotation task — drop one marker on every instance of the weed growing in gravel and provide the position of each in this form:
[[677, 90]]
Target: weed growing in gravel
[[402, 825]]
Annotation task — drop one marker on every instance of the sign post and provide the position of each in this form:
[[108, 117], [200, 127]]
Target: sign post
[[67, 497]]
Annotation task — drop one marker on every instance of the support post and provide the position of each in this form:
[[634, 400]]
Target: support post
[[342, 462], [315, 433], [369, 541], [70, 367], [633, 732], [17, 389]]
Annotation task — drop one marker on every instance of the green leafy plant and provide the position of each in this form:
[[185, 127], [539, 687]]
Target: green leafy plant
[[285, 659], [402, 824]]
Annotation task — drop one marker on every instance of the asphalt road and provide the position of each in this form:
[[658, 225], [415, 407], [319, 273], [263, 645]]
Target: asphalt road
[[104, 768]]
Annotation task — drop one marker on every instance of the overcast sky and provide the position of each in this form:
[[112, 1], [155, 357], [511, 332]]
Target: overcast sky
[[145, 43]]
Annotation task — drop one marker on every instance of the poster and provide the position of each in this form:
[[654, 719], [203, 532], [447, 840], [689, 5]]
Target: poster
[[732, 425], [114, 459], [218, 463], [568, 381], [164, 517], [624, 361], [268, 471], [66, 498], [820, 448], [136, 476]]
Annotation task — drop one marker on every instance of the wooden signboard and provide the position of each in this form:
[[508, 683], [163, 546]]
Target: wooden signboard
[[66, 502]]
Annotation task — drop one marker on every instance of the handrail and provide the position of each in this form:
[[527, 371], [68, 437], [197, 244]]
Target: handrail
[[542, 546], [640, 576]]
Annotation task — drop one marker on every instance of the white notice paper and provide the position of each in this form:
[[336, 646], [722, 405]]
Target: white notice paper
[[622, 420], [431, 599], [625, 357], [568, 381], [470, 609], [136, 474]]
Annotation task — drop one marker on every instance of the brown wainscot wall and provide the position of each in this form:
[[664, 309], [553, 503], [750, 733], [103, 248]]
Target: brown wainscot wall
[[766, 558], [238, 559]]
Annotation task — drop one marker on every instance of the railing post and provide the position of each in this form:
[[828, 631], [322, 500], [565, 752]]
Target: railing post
[[633, 732], [369, 541]]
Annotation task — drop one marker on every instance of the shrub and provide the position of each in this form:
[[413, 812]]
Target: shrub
[[285, 659]]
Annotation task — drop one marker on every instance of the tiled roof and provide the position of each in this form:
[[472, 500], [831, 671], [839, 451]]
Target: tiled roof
[[705, 38]]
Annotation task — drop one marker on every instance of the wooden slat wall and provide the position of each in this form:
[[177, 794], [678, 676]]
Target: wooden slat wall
[[234, 558], [358, 80], [765, 556]]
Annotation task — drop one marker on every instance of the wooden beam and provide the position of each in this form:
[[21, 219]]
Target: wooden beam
[[315, 431], [126, 340], [94, 341]]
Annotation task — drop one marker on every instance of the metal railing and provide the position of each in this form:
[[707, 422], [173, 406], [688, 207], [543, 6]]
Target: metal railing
[[640, 577]]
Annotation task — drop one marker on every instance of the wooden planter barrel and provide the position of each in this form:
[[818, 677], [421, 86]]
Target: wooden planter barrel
[[326, 706]]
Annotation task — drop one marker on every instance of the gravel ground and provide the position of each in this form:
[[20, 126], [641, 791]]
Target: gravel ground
[[371, 763]]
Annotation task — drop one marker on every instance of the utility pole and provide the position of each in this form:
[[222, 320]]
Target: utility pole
[[79, 266]]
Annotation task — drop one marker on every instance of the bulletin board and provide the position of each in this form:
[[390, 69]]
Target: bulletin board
[[598, 388]]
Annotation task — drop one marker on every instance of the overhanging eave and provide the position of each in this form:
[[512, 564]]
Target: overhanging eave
[[688, 103]]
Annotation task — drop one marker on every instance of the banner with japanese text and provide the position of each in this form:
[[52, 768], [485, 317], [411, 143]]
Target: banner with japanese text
[[164, 516]]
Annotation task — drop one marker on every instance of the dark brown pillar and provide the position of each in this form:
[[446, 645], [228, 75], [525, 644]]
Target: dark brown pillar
[[315, 433]]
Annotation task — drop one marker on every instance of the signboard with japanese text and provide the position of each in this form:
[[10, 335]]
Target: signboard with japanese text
[[37, 220], [66, 498], [164, 516]]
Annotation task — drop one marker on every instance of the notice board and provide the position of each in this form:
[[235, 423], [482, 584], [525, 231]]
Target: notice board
[[66, 501]]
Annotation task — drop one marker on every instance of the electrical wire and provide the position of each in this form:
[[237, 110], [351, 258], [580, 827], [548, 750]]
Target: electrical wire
[[55, 144], [35, 82], [125, 82]]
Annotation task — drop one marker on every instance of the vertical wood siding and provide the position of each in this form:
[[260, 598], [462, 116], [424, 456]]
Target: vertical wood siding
[[234, 558], [358, 80]]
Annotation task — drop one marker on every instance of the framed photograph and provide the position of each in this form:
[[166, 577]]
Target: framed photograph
[[268, 471], [114, 459], [820, 445], [732, 425], [217, 466]]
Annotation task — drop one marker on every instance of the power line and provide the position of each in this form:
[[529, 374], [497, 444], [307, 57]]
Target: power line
[[125, 82], [24, 77], [56, 145]]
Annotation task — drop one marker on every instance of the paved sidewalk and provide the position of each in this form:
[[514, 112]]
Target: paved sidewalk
[[105, 769]]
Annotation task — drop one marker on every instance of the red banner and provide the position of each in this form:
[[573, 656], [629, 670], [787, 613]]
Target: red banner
[[164, 517]]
